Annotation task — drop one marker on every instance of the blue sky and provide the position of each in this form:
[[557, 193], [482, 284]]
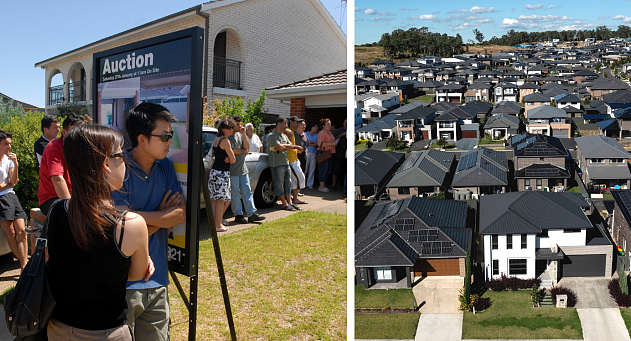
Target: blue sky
[[492, 18], [35, 30]]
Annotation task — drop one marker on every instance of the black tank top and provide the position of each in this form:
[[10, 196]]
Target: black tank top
[[220, 158], [89, 286]]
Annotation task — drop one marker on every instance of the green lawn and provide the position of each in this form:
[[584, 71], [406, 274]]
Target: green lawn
[[286, 279], [483, 141], [386, 326], [360, 146], [511, 316], [424, 98], [626, 316], [377, 298], [574, 189]]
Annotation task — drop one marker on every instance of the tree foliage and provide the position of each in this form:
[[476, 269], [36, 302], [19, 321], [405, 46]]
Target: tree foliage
[[66, 109], [416, 42], [478, 35], [219, 109], [513, 37]]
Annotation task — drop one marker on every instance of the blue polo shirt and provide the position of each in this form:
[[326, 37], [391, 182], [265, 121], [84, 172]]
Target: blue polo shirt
[[142, 192]]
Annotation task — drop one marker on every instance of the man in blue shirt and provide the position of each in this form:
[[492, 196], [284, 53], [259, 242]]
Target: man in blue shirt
[[151, 189]]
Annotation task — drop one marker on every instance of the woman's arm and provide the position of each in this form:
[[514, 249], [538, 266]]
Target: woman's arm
[[225, 145], [136, 246]]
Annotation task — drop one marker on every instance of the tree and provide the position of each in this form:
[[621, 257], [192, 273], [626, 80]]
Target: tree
[[467, 279], [622, 280], [66, 109], [255, 112], [478, 35], [219, 109], [442, 142]]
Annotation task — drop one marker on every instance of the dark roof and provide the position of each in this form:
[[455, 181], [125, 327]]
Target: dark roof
[[536, 97], [611, 124], [542, 171], [444, 106], [481, 107], [460, 112], [528, 85], [531, 212], [410, 106], [416, 113], [598, 146], [546, 112], [421, 169], [371, 166], [620, 96], [537, 145], [623, 200], [507, 108], [608, 172], [481, 167], [569, 98], [502, 121]]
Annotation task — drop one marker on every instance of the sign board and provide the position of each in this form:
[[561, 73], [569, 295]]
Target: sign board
[[166, 70]]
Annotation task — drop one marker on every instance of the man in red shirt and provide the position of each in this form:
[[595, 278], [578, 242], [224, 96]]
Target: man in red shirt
[[54, 181]]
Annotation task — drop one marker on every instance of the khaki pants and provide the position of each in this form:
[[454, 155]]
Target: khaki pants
[[148, 313], [59, 331]]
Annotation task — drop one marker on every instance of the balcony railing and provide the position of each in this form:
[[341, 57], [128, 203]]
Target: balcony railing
[[226, 73], [56, 95], [77, 91]]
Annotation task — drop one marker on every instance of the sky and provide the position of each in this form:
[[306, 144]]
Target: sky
[[492, 18], [35, 30]]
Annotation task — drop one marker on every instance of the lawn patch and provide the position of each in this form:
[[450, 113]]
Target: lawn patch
[[379, 298], [425, 98], [286, 278], [626, 316], [386, 326], [511, 316]]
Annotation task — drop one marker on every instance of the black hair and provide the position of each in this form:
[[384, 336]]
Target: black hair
[[268, 129], [48, 120], [224, 124], [279, 120], [141, 120], [73, 120], [311, 124], [235, 118], [5, 134]]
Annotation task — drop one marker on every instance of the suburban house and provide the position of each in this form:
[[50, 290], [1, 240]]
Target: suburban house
[[410, 238], [429, 87], [379, 105], [450, 122], [240, 59], [617, 100], [620, 222], [379, 129], [450, 93], [542, 235], [511, 108], [527, 89], [483, 108], [549, 120], [478, 91], [572, 105], [601, 87], [505, 91], [373, 169], [428, 171], [15, 103], [603, 162], [502, 126], [480, 171], [443, 107], [534, 100], [540, 162], [417, 123], [364, 72]]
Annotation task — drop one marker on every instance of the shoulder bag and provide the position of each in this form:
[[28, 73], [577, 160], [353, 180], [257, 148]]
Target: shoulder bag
[[323, 155], [30, 306]]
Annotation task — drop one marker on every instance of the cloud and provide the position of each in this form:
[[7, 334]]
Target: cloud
[[529, 6], [552, 7], [407, 9], [462, 26], [508, 23], [425, 17], [464, 10], [370, 11], [403, 26], [484, 21], [380, 19], [437, 12], [576, 26], [603, 17], [476, 9], [359, 19], [357, 9], [624, 19], [544, 18]]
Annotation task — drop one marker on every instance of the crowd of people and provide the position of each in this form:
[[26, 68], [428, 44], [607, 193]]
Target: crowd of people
[[112, 229]]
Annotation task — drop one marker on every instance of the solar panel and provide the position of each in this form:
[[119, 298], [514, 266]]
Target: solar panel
[[467, 161], [436, 248], [542, 172], [387, 211], [423, 235], [409, 162], [540, 151], [404, 224]]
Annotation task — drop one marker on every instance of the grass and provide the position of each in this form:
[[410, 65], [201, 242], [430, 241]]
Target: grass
[[483, 141], [574, 189], [626, 316], [377, 298], [360, 146], [386, 326], [286, 279], [424, 98], [5, 293], [511, 316], [607, 196]]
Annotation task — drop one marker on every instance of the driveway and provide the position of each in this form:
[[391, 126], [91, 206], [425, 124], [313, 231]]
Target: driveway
[[591, 292], [439, 327], [438, 294], [466, 144], [604, 324]]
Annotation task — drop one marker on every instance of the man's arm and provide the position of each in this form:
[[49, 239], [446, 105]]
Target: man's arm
[[61, 187], [170, 212], [243, 150]]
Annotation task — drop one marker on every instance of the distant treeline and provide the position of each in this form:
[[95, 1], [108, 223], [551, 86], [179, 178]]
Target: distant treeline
[[416, 42], [512, 37]]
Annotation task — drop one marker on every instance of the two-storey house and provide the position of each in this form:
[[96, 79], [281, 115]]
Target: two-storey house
[[480, 171], [373, 169], [540, 162], [603, 162], [453, 93], [535, 100], [428, 171], [549, 120], [448, 123], [417, 123], [479, 91]]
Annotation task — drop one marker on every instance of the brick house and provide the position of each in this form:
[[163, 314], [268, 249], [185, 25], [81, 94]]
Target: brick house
[[423, 172], [533, 101], [603, 162], [233, 41], [540, 161]]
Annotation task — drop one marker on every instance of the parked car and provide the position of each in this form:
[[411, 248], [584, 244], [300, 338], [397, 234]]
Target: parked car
[[258, 170]]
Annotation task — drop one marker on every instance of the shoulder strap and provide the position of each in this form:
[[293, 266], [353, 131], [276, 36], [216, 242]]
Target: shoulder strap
[[41, 243], [120, 238]]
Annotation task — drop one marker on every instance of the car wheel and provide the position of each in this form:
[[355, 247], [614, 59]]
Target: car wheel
[[264, 194]]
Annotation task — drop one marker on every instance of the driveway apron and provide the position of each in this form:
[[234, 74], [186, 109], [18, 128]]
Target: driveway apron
[[603, 324], [439, 327], [438, 294], [591, 292]]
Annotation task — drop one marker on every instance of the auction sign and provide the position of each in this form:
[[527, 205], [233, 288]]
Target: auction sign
[[166, 70]]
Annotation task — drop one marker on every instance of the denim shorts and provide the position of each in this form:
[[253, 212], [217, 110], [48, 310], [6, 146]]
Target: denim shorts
[[281, 175]]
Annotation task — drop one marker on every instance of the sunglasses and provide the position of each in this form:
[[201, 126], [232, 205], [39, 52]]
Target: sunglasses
[[164, 137], [121, 155]]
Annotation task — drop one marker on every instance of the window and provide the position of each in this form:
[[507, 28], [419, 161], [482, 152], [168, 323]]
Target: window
[[517, 266], [404, 190], [527, 182], [616, 160], [509, 241], [599, 160], [383, 273], [524, 241], [494, 242], [496, 267], [538, 183], [571, 230]]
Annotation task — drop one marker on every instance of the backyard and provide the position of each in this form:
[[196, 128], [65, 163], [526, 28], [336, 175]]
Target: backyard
[[385, 325], [511, 316], [286, 278]]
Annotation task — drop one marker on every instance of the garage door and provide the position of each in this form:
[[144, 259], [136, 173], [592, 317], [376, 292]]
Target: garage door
[[469, 134], [560, 133], [437, 267], [583, 266]]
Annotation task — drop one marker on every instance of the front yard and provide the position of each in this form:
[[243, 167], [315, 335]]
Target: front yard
[[385, 325], [425, 98], [626, 316], [511, 316]]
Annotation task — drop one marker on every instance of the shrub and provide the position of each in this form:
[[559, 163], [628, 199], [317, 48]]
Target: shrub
[[511, 283], [481, 303], [621, 299], [559, 290], [535, 294]]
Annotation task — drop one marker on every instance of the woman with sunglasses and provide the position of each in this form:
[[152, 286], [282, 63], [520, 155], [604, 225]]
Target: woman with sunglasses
[[219, 177], [94, 247]]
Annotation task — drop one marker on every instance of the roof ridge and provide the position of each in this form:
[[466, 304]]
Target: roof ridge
[[372, 244]]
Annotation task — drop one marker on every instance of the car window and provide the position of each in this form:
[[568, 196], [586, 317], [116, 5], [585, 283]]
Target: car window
[[207, 140]]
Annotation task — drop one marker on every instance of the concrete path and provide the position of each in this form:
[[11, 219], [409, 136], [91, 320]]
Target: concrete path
[[603, 324], [591, 292], [438, 294], [439, 327]]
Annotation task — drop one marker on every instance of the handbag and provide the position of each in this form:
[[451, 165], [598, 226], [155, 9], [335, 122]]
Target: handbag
[[323, 155], [30, 306]]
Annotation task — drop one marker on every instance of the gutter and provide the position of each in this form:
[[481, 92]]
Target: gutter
[[206, 38]]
